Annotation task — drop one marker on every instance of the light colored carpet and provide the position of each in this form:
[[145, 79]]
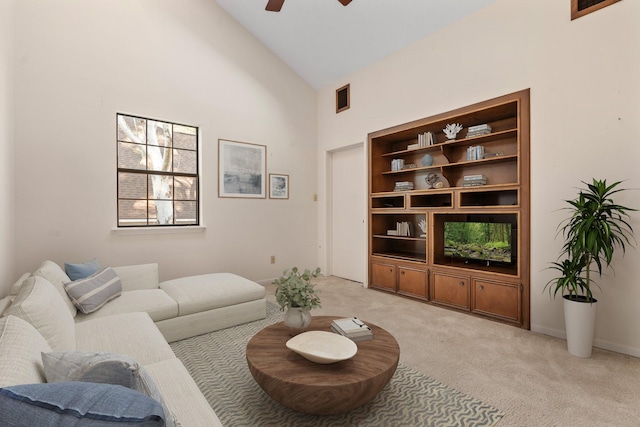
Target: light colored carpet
[[530, 377], [217, 363]]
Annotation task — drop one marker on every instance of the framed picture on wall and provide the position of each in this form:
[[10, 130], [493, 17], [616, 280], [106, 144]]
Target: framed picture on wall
[[241, 169], [278, 186]]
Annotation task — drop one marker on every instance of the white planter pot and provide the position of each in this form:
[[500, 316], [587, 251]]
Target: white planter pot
[[579, 321], [297, 319]]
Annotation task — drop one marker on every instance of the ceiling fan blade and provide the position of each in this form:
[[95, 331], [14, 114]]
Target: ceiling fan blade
[[345, 2], [275, 5]]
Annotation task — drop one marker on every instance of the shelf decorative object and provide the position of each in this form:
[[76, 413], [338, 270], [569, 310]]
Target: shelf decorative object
[[451, 130], [427, 160], [423, 226], [297, 295], [436, 180]]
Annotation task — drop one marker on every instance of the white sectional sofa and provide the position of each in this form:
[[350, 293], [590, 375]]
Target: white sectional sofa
[[38, 317]]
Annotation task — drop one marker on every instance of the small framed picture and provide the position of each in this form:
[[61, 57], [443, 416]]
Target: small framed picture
[[242, 169], [278, 186]]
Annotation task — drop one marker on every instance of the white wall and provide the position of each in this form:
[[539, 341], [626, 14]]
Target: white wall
[[7, 240], [585, 99], [79, 62]]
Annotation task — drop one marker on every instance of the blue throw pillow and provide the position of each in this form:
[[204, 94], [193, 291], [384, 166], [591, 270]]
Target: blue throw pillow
[[80, 271], [67, 404]]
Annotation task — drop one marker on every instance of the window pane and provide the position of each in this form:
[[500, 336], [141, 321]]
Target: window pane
[[132, 185], [159, 158], [132, 212], [132, 156], [186, 213], [131, 129], [160, 187], [185, 161], [159, 133], [185, 188], [185, 137], [160, 212]]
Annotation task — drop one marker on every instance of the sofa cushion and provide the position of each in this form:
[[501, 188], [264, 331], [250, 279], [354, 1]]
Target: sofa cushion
[[77, 403], [20, 349], [104, 368], [156, 302], [40, 304], [139, 276], [82, 270], [15, 288], [91, 293], [196, 294], [57, 277], [132, 334], [182, 395]]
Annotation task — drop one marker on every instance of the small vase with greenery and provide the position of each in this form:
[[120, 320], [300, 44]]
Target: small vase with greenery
[[595, 228], [296, 294]]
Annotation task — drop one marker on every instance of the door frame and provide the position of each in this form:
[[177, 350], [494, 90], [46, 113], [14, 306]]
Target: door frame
[[329, 208]]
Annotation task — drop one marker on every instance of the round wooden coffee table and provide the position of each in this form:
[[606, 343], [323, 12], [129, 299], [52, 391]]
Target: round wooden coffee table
[[313, 388]]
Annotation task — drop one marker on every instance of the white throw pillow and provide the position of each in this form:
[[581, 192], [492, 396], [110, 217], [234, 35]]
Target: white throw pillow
[[39, 303], [20, 348], [57, 277]]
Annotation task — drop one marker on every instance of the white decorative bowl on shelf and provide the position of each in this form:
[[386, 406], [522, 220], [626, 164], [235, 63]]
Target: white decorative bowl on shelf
[[322, 347]]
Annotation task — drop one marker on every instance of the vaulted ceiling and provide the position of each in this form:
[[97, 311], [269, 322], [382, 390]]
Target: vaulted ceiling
[[324, 41]]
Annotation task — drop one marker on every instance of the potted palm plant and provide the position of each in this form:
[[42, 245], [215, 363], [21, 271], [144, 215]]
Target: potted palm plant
[[595, 228], [297, 295]]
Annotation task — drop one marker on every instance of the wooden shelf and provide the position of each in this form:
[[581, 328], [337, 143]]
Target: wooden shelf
[[505, 196], [461, 142]]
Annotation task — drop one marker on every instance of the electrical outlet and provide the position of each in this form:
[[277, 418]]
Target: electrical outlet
[[273, 259]]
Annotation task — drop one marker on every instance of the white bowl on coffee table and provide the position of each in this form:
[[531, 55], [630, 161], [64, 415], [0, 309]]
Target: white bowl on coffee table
[[322, 347]]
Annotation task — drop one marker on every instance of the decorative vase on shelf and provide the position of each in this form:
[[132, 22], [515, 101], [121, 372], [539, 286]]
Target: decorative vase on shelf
[[297, 319], [427, 160]]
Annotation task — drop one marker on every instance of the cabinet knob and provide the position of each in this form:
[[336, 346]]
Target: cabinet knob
[[481, 287], [461, 283], [402, 272]]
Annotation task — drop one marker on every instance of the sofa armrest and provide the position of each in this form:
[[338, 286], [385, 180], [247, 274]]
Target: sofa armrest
[[137, 277]]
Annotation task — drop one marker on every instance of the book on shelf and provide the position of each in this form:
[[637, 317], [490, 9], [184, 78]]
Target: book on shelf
[[478, 130], [397, 164], [403, 186], [403, 229], [425, 139], [474, 180], [475, 152], [474, 177], [352, 328]]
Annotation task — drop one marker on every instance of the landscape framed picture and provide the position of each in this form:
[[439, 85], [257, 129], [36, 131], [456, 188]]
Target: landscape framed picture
[[242, 169], [278, 186]]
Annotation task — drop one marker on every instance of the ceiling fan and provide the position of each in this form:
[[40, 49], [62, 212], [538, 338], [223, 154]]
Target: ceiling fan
[[276, 5]]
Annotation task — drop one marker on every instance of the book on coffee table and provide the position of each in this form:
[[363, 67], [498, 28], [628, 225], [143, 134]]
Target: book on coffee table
[[352, 328]]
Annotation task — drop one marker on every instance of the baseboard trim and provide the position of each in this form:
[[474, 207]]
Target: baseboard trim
[[605, 345]]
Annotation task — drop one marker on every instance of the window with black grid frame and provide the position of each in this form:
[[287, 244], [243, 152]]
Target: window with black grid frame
[[157, 172]]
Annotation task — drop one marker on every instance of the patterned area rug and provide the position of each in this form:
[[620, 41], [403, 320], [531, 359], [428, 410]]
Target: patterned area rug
[[217, 363]]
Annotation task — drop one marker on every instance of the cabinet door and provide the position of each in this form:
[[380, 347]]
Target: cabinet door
[[450, 290], [495, 299], [383, 276], [412, 282]]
